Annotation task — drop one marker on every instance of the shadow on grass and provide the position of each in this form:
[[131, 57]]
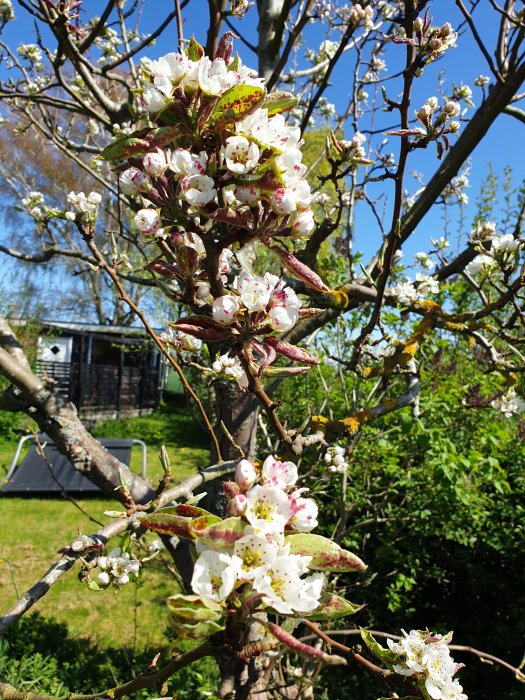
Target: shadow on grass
[[39, 655]]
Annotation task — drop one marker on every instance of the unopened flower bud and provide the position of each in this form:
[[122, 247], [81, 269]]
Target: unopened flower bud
[[133, 181], [148, 221], [245, 474], [451, 109], [237, 505], [224, 309]]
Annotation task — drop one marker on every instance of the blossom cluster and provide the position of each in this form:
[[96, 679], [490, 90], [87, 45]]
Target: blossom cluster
[[262, 300], [500, 256], [435, 119], [181, 341], [335, 460], [432, 42], [31, 52], [509, 404], [427, 656], [247, 163], [228, 368], [260, 561], [85, 208], [34, 204], [116, 568], [6, 11], [408, 292]]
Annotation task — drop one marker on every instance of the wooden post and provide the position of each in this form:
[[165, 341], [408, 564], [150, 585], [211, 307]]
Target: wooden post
[[119, 382]]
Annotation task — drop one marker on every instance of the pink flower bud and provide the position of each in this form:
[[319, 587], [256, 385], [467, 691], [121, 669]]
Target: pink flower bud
[[245, 474], [133, 181], [155, 163], [224, 309], [283, 201], [230, 489], [237, 506], [148, 221]]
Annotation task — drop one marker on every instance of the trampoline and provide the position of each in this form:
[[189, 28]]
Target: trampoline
[[52, 476]]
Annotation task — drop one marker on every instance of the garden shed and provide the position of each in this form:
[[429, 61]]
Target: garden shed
[[106, 371]]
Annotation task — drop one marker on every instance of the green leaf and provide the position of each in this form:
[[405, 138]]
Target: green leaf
[[194, 51], [221, 535], [376, 649], [326, 555], [279, 101], [127, 146], [332, 607], [284, 371], [93, 586], [237, 102], [193, 608], [198, 630], [140, 142]]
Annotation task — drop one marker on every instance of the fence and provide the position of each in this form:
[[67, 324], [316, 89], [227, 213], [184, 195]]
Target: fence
[[105, 387]]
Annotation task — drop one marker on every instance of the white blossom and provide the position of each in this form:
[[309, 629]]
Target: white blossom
[[213, 575], [253, 555], [426, 284], [245, 474], [405, 293], [214, 77], [482, 265], [225, 308], [268, 509], [509, 404], [148, 221], [240, 155], [155, 163], [424, 260], [277, 473], [198, 190], [282, 586]]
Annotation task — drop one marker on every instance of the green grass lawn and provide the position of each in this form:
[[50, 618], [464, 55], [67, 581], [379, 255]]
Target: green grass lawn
[[32, 530]]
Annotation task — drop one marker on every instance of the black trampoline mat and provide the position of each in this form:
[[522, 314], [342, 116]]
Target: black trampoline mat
[[33, 477]]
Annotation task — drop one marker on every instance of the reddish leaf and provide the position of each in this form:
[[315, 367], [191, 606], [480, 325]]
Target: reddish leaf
[[292, 352], [219, 535], [300, 270], [229, 216], [168, 524], [326, 554], [202, 327], [194, 51], [310, 312]]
